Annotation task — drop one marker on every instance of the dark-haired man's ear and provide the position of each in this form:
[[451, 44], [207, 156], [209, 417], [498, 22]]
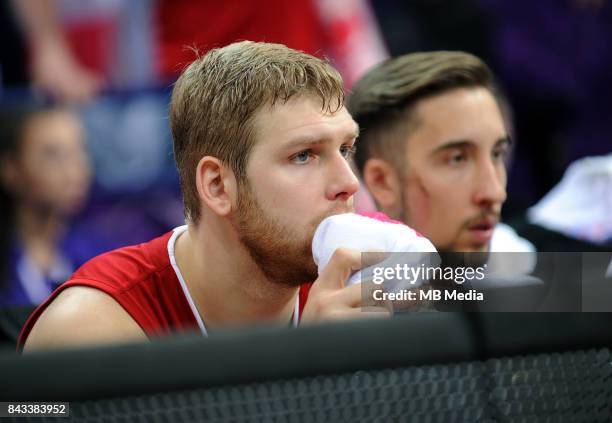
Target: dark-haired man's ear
[[383, 182], [216, 185]]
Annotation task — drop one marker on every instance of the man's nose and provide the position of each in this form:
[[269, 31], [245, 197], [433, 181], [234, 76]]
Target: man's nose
[[490, 184], [343, 183]]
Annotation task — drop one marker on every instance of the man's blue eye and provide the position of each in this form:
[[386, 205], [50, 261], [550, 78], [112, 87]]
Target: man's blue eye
[[301, 157]]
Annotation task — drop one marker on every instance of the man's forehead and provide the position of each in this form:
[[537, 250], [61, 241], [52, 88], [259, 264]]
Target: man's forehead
[[303, 117], [469, 115]]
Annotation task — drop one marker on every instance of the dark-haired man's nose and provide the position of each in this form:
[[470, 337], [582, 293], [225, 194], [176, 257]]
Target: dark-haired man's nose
[[490, 186]]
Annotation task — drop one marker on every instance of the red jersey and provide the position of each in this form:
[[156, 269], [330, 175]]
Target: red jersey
[[145, 281]]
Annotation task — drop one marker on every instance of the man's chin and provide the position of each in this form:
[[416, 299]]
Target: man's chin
[[468, 255], [472, 244], [466, 248], [477, 249]]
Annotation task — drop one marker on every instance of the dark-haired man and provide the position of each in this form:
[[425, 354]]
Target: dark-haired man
[[432, 149]]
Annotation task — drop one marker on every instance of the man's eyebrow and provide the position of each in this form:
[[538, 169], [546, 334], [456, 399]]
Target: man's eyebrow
[[452, 144], [318, 139], [504, 140], [466, 143]]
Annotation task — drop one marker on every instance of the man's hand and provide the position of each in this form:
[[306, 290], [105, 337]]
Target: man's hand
[[329, 299]]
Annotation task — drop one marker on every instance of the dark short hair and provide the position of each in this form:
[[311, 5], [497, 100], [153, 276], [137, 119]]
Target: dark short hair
[[14, 117], [382, 101]]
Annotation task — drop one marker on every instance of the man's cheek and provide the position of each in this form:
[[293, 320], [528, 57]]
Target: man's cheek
[[418, 204]]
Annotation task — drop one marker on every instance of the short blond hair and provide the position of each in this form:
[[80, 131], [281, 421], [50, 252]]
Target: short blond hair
[[216, 98]]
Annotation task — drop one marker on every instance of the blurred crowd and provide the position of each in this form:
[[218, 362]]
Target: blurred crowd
[[85, 151]]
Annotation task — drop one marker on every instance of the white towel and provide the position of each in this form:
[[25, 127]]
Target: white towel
[[511, 255], [580, 206], [372, 232]]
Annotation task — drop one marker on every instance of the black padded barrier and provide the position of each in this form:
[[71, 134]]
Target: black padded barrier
[[423, 367], [12, 320]]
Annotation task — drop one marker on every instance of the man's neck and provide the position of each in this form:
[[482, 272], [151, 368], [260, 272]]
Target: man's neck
[[226, 285]]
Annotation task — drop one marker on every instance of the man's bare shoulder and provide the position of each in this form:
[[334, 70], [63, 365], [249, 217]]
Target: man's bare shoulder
[[81, 316]]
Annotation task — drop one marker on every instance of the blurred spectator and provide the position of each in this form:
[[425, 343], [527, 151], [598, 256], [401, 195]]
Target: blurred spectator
[[54, 67], [44, 181], [76, 49], [79, 47], [345, 31]]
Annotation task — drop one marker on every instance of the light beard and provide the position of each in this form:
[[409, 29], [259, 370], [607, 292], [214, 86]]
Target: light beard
[[282, 253]]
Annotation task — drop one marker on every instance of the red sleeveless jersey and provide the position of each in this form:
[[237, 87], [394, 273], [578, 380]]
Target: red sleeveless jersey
[[142, 280]]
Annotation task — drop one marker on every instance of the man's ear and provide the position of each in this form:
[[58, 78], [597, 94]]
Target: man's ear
[[216, 185], [383, 182]]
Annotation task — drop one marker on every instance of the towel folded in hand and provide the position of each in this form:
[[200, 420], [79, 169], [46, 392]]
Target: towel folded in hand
[[364, 233]]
